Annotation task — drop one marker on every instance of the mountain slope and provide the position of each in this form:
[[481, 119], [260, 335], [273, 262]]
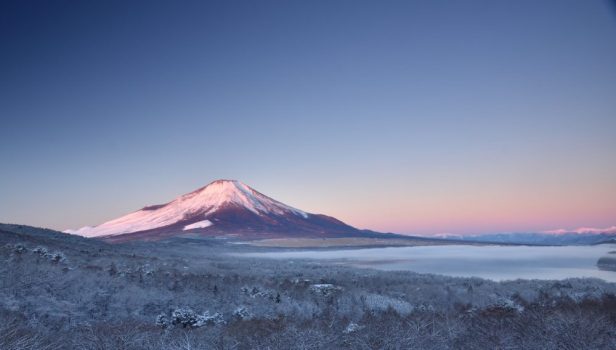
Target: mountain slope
[[222, 207], [35, 236]]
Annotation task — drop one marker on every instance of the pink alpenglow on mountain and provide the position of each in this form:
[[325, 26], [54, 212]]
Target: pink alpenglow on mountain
[[584, 230], [223, 207]]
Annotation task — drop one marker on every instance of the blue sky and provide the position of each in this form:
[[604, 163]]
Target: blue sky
[[405, 116]]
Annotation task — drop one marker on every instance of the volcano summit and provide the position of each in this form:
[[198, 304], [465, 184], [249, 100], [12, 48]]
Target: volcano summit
[[223, 207]]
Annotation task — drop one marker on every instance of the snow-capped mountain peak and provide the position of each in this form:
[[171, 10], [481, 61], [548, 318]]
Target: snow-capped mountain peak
[[225, 192], [197, 210]]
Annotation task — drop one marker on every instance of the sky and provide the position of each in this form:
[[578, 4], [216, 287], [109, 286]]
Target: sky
[[417, 117]]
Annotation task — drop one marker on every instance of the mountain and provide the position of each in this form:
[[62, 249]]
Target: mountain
[[543, 238], [222, 207], [35, 236]]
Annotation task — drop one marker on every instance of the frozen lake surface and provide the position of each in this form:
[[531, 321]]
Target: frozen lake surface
[[490, 262]]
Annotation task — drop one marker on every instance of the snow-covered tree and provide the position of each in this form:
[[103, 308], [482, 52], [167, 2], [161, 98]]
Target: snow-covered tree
[[184, 317]]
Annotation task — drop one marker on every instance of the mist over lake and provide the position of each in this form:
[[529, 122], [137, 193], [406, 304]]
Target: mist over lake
[[491, 262]]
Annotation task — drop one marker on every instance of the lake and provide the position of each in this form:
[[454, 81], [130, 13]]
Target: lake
[[491, 262]]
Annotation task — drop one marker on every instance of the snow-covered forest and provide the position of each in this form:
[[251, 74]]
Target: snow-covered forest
[[68, 292]]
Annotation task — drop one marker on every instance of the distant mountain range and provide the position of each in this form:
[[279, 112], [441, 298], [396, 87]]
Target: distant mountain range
[[223, 207], [543, 238]]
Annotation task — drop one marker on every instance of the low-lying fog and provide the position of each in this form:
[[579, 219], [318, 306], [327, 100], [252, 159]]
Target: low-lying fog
[[491, 262]]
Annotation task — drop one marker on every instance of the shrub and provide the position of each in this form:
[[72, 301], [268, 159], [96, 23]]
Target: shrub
[[184, 317], [162, 321], [242, 313]]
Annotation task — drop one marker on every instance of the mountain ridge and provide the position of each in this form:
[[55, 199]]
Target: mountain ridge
[[537, 238]]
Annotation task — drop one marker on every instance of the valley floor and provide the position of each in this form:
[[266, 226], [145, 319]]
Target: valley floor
[[65, 292]]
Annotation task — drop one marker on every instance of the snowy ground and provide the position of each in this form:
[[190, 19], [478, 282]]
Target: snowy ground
[[67, 293]]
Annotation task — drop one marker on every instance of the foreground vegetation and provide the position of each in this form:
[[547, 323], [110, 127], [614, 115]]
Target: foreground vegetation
[[65, 292]]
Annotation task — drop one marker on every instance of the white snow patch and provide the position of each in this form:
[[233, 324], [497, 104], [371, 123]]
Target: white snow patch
[[198, 224]]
